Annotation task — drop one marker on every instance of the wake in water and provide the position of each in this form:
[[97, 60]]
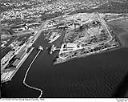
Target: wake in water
[[24, 80]]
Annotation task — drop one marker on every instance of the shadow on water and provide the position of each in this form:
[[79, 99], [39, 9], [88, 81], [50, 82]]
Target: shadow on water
[[122, 89]]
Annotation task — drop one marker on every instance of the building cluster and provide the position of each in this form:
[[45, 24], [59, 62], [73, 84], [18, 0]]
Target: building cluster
[[40, 7]]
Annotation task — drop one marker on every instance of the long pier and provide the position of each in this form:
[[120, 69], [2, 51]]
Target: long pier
[[24, 80], [7, 76]]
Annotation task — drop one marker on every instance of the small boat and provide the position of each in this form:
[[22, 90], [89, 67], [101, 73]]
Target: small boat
[[40, 48], [53, 48], [53, 38]]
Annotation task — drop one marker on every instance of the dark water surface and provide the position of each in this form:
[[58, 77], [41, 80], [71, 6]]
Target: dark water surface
[[97, 75]]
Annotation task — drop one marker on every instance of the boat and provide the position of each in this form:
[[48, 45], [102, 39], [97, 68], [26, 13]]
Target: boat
[[53, 38], [40, 48]]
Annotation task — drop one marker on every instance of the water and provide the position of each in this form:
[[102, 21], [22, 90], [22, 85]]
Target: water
[[93, 76]]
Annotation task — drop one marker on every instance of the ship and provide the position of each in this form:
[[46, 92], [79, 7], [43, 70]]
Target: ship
[[53, 38]]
